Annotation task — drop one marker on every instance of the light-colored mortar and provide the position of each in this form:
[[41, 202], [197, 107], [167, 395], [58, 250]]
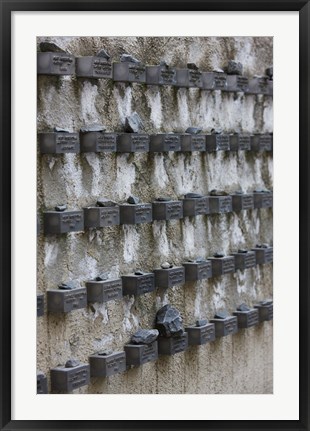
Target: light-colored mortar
[[235, 364]]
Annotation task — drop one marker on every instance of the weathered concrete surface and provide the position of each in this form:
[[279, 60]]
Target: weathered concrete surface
[[236, 364]]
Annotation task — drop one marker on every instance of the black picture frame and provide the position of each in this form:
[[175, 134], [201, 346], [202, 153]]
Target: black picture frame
[[7, 7]]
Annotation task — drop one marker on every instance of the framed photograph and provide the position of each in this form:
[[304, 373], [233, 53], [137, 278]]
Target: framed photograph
[[154, 188]]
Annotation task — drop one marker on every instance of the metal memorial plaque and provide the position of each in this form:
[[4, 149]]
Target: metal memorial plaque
[[226, 326], [129, 72], [41, 383], [167, 210], [104, 291], [163, 142], [197, 270], [214, 81], [101, 216], [222, 265], [67, 379], [263, 255], [55, 63], [56, 222], [245, 260], [237, 83], [161, 75], [169, 277], [190, 143], [102, 365], [40, 304], [182, 78], [239, 142], [259, 85], [98, 142], [59, 143], [194, 78], [198, 335], [246, 319], [217, 142], [220, 204], [241, 202], [138, 284], [134, 214], [193, 207], [261, 142], [265, 310], [263, 199], [132, 142], [139, 354], [172, 345], [93, 67], [64, 301]]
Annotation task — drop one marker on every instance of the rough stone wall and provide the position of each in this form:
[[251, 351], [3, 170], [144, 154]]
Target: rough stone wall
[[234, 364]]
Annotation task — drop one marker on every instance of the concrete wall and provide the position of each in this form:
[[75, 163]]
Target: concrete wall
[[235, 364]]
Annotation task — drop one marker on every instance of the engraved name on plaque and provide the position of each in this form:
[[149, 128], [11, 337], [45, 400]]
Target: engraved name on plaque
[[93, 139], [97, 66], [58, 222], [59, 142], [105, 213], [239, 142], [106, 364], [263, 253], [172, 345], [242, 201], [55, 63], [263, 199], [135, 212], [66, 298], [265, 309], [217, 142], [68, 378], [104, 290], [138, 283], [129, 70], [222, 264], [202, 333], [198, 269], [168, 277], [216, 80], [247, 317], [261, 142], [219, 202], [164, 142], [195, 204], [224, 324], [161, 74], [167, 209], [139, 354], [244, 259]]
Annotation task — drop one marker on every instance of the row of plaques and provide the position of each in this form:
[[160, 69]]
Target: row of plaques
[[61, 222], [103, 364], [93, 141], [51, 63], [139, 283]]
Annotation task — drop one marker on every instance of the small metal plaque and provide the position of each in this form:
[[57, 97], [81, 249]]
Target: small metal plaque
[[193, 207], [138, 284], [263, 255], [55, 63], [263, 199], [239, 142], [67, 379], [104, 291], [93, 67], [64, 301], [241, 202], [194, 78], [139, 354], [59, 143], [165, 142], [182, 78], [246, 319], [265, 311], [40, 304], [237, 83], [214, 81], [222, 265], [190, 143], [217, 142], [161, 75], [245, 260], [197, 270], [259, 85], [261, 142], [172, 345], [129, 72], [56, 222], [101, 216], [220, 204], [107, 365], [198, 335], [226, 326], [41, 383], [169, 277], [134, 214], [98, 142], [167, 210], [132, 142]]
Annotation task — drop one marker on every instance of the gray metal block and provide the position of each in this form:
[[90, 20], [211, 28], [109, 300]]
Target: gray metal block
[[104, 291], [129, 72], [167, 210], [98, 142], [220, 204], [132, 142], [67, 379], [41, 383], [101, 216], [139, 354], [237, 83], [172, 345], [246, 319], [163, 142], [222, 265], [193, 207], [244, 260], [241, 202], [138, 284], [261, 142], [56, 222], [161, 75], [270, 87], [107, 365], [259, 85], [263, 199], [182, 78], [40, 304], [169, 277], [134, 214], [93, 67], [214, 81], [263, 255], [224, 327], [198, 335], [239, 142], [265, 312], [55, 63], [197, 270], [217, 142], [64, 301], [59, 143], [190, 143]]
